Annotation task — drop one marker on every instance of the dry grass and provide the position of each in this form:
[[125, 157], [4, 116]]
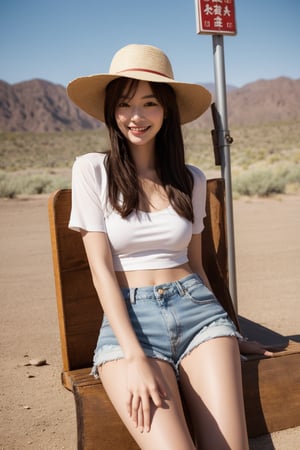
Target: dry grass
[[265, 159]]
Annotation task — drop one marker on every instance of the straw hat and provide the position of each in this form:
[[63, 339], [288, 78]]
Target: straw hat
[[141, 62]]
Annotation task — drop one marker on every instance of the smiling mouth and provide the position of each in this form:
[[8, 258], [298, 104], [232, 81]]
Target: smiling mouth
[[139, 129]]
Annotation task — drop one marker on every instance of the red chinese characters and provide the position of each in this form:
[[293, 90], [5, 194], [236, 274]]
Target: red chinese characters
[[215, 17]]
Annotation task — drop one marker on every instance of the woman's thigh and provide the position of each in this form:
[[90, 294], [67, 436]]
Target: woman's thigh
[[168, 430], [210, 379]]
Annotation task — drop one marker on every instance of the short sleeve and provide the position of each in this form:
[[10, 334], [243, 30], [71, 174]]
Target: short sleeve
[[88, 186], [198, 199]]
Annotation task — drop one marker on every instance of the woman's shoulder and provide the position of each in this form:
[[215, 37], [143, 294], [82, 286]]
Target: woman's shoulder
[[90, 163], [90, 168], [93, 158], [197, 173]]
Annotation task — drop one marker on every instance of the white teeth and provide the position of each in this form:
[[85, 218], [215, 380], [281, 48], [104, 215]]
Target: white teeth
[[138, 128]]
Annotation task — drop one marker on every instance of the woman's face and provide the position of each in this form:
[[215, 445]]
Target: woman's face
[[140, 117]]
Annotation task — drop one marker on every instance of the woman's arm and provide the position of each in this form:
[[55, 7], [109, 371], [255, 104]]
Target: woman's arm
[[143, 386], [195, 258], [105, 282]]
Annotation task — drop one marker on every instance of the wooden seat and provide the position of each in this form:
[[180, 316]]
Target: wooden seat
[[80, 316]]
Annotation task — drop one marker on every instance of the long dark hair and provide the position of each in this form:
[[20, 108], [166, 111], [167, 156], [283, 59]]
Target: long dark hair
[[169, 153]]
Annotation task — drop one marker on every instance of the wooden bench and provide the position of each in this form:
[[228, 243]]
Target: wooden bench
[[271, 386]]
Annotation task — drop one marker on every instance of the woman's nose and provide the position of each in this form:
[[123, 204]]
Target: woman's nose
[[136, 112]]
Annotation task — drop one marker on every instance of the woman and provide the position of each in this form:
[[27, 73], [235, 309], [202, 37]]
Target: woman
[[140, 212]]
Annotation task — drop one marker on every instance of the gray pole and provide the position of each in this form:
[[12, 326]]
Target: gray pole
[[224, 141]]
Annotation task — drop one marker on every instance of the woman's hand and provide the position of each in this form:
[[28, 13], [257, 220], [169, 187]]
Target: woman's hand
[[144, 387], [254, 348]]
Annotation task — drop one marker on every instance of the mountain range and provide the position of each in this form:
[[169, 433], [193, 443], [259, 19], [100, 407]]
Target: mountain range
[[39, 106]]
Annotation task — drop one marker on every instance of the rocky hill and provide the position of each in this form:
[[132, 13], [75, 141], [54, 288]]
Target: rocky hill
[[39, 105], [265, 101], [261, 102]]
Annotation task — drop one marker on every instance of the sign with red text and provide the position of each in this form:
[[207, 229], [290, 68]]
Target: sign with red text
[[215, 17]]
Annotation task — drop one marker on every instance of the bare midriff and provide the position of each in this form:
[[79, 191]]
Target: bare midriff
[[153, 277]]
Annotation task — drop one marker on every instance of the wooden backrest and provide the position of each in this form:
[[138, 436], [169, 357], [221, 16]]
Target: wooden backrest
[[79, 310]]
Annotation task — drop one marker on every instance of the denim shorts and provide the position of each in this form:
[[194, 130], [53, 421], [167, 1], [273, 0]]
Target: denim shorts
[[169, 319]]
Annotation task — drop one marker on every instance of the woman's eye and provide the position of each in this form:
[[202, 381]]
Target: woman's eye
[[151, 104], [123, 105]]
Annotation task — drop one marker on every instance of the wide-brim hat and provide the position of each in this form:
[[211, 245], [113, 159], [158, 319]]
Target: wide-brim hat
[[140, 62]]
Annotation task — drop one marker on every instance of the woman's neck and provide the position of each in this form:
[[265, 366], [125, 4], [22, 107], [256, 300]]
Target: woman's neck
[[144, 160]]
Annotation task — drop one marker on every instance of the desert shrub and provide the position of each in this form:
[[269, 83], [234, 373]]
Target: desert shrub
[[292, 173], [8, 188], [37, 184], [12, 185], [260, 182]]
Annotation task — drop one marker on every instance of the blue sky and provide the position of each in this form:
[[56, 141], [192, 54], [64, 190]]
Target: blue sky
[[60, 40]]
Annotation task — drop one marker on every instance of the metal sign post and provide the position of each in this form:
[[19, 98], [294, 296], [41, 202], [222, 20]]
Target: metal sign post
[[217, 17]]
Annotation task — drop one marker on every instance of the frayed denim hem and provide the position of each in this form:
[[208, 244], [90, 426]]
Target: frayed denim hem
[[217, 329], [104, 354], [109, 353]]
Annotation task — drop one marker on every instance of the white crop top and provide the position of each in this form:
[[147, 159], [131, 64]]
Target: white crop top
[[143, 240]]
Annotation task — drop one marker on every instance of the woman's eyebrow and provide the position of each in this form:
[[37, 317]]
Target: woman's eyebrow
[[144, 96]]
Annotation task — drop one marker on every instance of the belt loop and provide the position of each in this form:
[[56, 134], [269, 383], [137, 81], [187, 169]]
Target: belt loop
[[132, 292], [180, 289]]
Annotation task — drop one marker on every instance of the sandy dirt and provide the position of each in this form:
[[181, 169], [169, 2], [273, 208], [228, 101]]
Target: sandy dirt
[[36, 412]]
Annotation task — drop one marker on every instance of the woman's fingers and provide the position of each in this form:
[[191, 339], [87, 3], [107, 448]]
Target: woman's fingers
[[129, 403], [135, 405], [267, 352], [253, 347], [146, 391], [157, 395], [139, 407], [145, 414]]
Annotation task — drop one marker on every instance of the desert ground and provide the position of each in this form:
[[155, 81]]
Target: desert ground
[[36, 412]]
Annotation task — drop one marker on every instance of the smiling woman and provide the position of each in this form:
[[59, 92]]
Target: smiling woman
[[140, 210], [139, 115]]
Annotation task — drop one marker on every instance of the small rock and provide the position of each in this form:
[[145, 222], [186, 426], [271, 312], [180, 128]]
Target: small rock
[[37, 362], [26, 407], [30, 376]]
